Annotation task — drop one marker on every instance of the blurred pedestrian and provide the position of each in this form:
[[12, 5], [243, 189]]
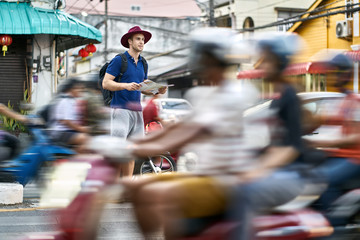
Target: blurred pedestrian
[[126, 115], [95, 115], [152, 119], [65, 119]]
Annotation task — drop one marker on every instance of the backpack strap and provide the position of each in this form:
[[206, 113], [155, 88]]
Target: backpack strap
[[124, 64], [145, 64]]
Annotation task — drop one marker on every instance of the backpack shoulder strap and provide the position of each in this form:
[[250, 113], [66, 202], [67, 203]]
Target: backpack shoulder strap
[[145, 64], [124, 63]]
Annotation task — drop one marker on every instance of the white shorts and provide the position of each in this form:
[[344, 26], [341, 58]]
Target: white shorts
[[126, 123]]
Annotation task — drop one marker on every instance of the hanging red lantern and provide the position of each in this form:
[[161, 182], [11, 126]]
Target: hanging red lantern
[[90, 48], [83, 53], [5, 41]]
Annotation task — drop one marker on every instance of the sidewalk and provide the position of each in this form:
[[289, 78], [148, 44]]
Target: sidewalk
[[31, 200]]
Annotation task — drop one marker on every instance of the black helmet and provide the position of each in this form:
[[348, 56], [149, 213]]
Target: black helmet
[[341, 62], [68, 84]]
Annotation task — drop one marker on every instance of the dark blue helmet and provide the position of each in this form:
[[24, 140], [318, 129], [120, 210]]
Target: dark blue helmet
[[283, 45], [341, 62]]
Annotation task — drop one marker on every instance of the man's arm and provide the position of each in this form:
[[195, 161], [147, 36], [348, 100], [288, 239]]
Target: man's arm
[[272, 159], [11, 114], [109, 83], [169, 139]]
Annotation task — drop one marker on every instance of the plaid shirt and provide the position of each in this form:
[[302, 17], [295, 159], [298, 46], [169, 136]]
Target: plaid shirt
[[348, 116]]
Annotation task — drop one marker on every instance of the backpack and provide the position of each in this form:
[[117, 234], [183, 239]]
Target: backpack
[[46, 111], [107, 94]]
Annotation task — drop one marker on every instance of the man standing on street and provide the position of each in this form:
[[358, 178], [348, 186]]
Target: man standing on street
[[126, 112]]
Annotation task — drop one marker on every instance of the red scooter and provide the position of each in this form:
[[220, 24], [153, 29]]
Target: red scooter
[[81, 186], [76, 188], [296, 221]]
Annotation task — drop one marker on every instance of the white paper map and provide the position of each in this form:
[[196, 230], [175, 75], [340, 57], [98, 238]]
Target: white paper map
[[150, 86]]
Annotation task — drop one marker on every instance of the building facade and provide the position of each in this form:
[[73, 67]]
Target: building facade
[[329, 26], [242, 14], [40, 31], [169, 22]]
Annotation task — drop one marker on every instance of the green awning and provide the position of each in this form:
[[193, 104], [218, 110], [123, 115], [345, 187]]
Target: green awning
[[23, 19]]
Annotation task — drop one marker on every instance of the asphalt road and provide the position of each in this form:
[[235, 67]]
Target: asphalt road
[[117, 221]]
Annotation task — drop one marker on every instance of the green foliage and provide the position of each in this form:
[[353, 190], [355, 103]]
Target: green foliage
[[12, 125]]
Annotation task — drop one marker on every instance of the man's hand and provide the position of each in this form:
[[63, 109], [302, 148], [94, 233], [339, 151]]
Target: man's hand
[[132, 86], [148, 93], [162, 90]]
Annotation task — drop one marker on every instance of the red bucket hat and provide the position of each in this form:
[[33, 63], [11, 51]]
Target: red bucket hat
[[132, 31]]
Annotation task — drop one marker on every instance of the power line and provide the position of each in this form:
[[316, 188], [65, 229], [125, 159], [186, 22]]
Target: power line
[[288, 21], [167, 4], [266, 6], [93, 7], [273, 4], [72, 7]]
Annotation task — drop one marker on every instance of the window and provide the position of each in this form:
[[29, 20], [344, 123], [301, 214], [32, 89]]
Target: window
[[135, 8], [224, 21], [287, 13], [248, 23]]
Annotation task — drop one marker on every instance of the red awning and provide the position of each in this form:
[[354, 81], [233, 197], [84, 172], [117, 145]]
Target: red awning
[[250, 74], [292, 70], [297, 69], [353, 55]]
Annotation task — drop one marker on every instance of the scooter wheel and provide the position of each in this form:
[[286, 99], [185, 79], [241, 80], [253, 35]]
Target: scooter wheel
[[161, 163]]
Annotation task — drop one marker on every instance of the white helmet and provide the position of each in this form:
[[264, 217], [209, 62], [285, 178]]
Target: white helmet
[[221, 43]]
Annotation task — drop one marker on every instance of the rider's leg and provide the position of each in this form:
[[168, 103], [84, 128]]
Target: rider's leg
[[79, 140], [132, 186], [263, 194], [126, 169], [337, 172], [11, 142], [189, 197], [156, 204]]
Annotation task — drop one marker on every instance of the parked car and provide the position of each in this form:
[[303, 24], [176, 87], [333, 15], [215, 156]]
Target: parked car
[[316, 103], [173, 109], [258, 134]]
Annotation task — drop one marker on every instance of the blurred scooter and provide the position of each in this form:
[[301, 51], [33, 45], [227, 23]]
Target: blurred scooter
[[77, 189], [26, 166], [293, 221]]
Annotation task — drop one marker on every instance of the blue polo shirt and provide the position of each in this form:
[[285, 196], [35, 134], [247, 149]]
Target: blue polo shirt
[[134, 73]]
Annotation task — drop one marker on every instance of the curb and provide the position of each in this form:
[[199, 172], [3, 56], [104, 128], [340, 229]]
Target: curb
[[11, 193], [29, 204], [19, 209]]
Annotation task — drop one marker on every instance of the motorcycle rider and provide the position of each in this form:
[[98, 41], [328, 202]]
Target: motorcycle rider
[[343, 166], [215, 131], [65, 124], [6, 139], [277, 179]]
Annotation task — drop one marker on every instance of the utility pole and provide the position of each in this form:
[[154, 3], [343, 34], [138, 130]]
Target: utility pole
[[211, 14], [106, 31]]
